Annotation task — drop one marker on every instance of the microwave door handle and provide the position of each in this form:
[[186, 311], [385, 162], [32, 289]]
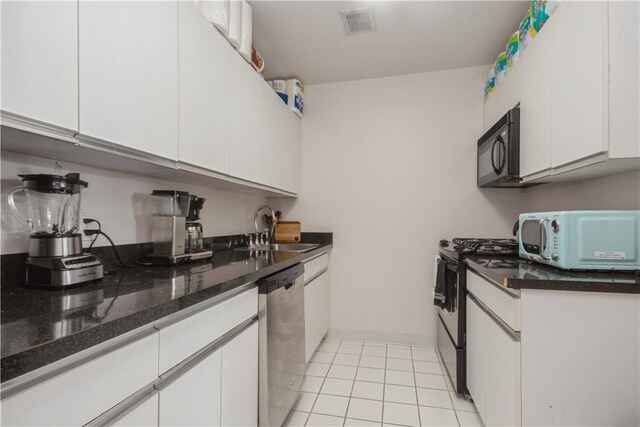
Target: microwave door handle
[[501, 155], [543, 235]]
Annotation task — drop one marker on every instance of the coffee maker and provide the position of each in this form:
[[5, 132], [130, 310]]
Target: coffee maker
[[55, 255], [170, 210]]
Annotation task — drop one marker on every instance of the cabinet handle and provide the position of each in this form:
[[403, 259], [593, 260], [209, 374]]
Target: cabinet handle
[[498, 321], [186, 365], [40, 375], [315, 276], [122, 408]]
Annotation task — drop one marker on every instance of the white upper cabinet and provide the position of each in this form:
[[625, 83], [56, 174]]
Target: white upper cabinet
[[129, 74], [40, 61], [281, 154], [204, 91], [578, 81], [247, 121], [624, 84], [535, 104]]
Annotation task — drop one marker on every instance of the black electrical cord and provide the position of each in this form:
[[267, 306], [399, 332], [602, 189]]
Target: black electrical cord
[[100, 232]]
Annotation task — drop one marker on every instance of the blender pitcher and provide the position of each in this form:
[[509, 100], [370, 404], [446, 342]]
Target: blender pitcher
[[53, 204]]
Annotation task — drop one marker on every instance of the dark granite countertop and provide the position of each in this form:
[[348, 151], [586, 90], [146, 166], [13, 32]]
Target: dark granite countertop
[[512, 274], [39, 326]]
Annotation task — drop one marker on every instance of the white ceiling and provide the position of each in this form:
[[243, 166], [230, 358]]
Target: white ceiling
[[306, 39]]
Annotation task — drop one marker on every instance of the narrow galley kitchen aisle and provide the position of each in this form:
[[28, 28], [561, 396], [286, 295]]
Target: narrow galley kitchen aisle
[[372, 383]]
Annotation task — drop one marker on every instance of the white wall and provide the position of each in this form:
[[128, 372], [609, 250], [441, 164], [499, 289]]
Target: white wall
[[389, 165], [621, 191], [119, 201]]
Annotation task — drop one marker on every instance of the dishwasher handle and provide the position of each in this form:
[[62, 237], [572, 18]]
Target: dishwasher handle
[[282, 279]]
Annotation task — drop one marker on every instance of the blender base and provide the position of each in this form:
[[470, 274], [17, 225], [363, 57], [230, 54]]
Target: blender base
[[61, 272]]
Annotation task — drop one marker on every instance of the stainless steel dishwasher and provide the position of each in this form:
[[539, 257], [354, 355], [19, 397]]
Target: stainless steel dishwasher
[[281, 343]]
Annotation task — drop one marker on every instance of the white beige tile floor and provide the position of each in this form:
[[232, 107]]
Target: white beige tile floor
[[356, 383]]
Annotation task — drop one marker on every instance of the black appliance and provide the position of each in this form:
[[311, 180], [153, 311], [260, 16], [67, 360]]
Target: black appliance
[[451, 279], [499, 153]]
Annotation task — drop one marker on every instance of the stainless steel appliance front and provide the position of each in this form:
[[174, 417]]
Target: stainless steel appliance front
[[281, 344]]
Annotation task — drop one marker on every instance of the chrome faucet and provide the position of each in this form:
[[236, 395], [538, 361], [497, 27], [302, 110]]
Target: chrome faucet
[[268, 234]]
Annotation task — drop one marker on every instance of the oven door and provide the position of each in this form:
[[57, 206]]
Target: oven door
[[453, 316], [533, 238]]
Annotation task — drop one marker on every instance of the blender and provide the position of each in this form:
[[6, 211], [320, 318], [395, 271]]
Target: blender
[[55, 256]]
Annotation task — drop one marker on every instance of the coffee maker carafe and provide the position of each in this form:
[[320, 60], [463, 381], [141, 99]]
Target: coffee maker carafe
[[55, 244], [195, 235]]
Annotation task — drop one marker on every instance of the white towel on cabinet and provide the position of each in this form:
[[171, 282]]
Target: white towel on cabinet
[[247, 31]]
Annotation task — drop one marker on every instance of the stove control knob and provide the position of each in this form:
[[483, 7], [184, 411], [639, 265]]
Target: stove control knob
[[444, 243], [555, 257], [555, 225]]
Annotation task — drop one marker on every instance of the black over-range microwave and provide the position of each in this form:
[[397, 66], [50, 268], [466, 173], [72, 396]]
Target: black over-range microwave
[[499, 153]]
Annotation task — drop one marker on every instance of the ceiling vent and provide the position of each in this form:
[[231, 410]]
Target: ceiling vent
[[357, 21]]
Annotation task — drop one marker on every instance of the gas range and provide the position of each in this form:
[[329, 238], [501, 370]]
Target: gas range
[[457, 248]]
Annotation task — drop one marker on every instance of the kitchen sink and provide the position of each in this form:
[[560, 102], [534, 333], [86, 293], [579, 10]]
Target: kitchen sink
[[289, 247]]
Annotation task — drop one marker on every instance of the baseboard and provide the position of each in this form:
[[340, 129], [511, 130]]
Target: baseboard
[[422, 340]]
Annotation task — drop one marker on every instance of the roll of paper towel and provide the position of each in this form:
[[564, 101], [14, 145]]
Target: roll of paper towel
[[235, 23], [216, 12], [280, 86], [246, 37], [295, 90]]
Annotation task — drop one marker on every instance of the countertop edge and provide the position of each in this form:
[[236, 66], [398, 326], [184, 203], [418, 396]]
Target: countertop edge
[[476, 268], [13, 366], [514, 286]]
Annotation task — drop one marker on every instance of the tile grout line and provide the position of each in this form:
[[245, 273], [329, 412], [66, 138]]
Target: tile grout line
[[346, 413], [453, 405], [415, 384], [322, 385]]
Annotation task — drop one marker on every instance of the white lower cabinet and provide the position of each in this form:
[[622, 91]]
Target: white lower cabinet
[[316, 302], [316, 312], [240, 379], [194, 398], [493, 368], [215, 384], [476, 378], [81, 393]]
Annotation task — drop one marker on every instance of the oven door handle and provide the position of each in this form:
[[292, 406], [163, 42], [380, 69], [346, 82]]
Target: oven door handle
[[456, 268]]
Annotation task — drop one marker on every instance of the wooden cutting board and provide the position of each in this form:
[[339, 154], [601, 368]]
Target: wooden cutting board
[[287, 232]]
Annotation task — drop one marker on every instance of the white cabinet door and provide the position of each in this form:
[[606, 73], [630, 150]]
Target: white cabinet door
[[291, 162], [247, 120], [143, 415], [316, 312], [40, 61], [502, 371], [272, 138], [129, 74], [194, 398], [82, 393], [578, 81], [535, 104], [204, 91], [476, 347], [240, 379]]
